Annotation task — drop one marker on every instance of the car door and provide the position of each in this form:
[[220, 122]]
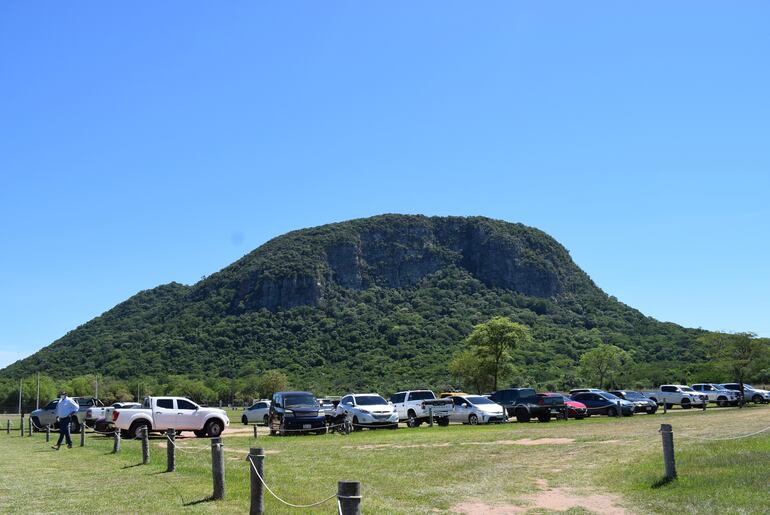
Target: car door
[[260, 412], [459, 412], [188, 416], [164, 414]]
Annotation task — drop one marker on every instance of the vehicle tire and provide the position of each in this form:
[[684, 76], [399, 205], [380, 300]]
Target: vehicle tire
[[612, 411], [214, 427], [412, 420], [74, 426], [266, 420], [668, 405], [200, 434], [652, 411], [135, 431], [443, 421], [356, 425], [321, 431], [721, 402], [393, 426], [580, 417], [686, 404], [757, 399], [245, 420], [544, 418], [522, 415], [473, 420]]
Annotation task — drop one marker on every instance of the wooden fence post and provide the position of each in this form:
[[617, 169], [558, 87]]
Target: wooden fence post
[[83, 434], [430, 416], [349, 497], [669, 462], [145, 446], [8, 427], [171, 450], [21, 420], [47, 433], [116, 441], [29, 432], [218, 468], [256, 456], [255, 430]]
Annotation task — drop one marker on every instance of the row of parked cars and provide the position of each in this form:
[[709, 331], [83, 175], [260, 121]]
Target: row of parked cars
[[301, 412], [290, 412]]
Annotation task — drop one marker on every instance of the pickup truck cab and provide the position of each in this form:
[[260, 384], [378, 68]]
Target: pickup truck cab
[[417, 406], [525, 404], [683, 395], [161, 413]]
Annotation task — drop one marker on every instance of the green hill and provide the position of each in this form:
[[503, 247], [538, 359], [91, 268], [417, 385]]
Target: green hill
[[376, 304]]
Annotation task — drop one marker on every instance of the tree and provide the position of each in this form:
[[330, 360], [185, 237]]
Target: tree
[[738, 354], [493, 342], [603, 364], [272, 381], [469, 369]]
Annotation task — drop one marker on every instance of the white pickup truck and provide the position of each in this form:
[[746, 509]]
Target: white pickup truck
[[162, 413], [416, 407], [683, 395]]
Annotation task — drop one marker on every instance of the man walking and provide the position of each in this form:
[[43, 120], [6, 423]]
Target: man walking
[[66, 407]]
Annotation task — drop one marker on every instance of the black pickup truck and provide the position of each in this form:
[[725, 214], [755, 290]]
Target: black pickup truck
[[525, 404]]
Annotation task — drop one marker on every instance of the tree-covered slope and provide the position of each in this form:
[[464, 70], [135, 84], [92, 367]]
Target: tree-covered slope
[[376, 303]]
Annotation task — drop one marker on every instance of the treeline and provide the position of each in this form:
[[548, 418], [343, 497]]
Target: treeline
[[210, 391]]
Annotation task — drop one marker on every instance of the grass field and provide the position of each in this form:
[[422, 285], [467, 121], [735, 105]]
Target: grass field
[[597, 465]]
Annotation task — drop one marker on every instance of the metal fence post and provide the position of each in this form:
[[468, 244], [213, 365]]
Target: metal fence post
[[145, 446], [256, 457], [116, 441], [349, 497], [83, 434], [669, 462], [170, 450], [218, 468]]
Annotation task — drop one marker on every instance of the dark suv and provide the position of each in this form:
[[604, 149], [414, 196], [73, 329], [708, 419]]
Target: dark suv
[[525, 404], [296, 412]]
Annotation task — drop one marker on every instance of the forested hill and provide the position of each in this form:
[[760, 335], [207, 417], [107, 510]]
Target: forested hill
[[377, 304]]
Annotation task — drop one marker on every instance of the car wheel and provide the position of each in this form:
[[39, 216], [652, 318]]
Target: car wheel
[[137, 428], [393, 426], [443, 421], [321, 431], [612, 411], [757, 399], [266, 420], [544, 418], [522, 415], [580, 417], [214, 428], [411, 420], [200, 434], [245, 420], [686, 404], [473, 419], [668, 405], [356, 425], [74, 426]]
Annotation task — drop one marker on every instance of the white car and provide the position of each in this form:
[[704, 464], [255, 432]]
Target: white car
[[476, 409], [750, 393], [368, 410], [158, 414], [257, 413], [717, 393]]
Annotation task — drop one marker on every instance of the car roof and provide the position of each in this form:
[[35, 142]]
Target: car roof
[[288, 393]]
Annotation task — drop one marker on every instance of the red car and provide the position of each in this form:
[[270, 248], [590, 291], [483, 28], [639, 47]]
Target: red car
[[575, 409]]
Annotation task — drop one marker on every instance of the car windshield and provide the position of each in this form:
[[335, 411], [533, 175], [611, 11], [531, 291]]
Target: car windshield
[[421, 396], [300, 401], [745, 385], [478, 399], [687, 389], [610, 397], [369, 400], [634, 396]]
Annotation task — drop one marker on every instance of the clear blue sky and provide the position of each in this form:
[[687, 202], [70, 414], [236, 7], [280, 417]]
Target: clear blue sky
[[144, 144]]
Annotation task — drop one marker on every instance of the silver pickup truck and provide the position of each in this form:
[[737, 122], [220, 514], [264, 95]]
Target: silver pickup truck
[[46, 416], [417, 406]]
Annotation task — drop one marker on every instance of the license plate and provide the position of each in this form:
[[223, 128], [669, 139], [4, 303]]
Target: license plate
[[306, 426]]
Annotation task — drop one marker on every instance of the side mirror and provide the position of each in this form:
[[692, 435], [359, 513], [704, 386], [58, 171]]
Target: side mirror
[[465, 404]]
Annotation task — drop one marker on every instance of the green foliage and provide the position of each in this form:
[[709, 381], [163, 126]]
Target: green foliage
[[272, 381], [604, 365], [472, 372], [740, 355]]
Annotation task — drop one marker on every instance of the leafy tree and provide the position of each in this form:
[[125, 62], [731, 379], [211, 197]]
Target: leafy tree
[[493, 342], [604, 364], [739, 354], [471, 370], [272, 381]]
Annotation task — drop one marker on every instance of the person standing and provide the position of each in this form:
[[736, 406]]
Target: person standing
[[66, 407]]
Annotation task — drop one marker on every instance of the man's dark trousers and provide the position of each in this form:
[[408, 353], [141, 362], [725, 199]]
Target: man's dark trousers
[[64, 431]]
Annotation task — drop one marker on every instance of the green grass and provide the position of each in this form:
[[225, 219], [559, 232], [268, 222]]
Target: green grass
[[411, 470]]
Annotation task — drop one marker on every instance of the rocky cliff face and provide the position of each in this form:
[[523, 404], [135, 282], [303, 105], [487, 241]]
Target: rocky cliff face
[[396, 251]]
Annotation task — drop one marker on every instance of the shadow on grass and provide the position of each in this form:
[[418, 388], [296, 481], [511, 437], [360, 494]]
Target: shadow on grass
[[199, 501], [132, 466], [662, 482]]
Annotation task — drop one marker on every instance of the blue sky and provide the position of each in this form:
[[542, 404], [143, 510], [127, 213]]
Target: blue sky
[[144, 144]]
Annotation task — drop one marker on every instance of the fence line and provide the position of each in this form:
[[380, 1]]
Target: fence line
[[719, 439], [286, 502]]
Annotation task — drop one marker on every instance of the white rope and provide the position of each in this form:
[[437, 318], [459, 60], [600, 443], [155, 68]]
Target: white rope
[[718, 439], [189, 451], [254, 467]]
